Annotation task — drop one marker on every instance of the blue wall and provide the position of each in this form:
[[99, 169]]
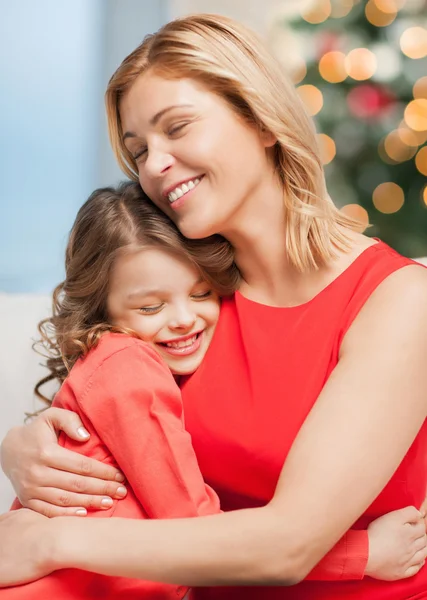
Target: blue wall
[[55, 59]]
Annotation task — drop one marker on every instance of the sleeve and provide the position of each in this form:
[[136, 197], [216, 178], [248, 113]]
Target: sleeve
[[346, 561], [135, 407]]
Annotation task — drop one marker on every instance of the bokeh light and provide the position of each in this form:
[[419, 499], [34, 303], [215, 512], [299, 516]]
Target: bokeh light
[[388, 197], [312, 98], [368, 100], [420, 88], [413, 42], [327, 148], [420, 136], [408, 136], [397, 149], [416, 114], [355, 211], [332, 67], [377, 16], [389, 62], [421, 160], [360, 64], [341, 8], [389, 6], [425, 195], [318, 12]]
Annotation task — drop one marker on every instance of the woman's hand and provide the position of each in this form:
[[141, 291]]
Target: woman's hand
[[53, 480], [24, 548], [397, 545]]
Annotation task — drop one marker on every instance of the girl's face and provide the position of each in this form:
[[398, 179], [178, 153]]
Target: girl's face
[[197, 160], [164, 299]]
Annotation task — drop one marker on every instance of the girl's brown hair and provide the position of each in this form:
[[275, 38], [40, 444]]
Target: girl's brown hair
[[112, 221], [231, 61]]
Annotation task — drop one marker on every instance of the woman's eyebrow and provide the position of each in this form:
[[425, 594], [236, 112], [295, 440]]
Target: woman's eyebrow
[[154, 120]]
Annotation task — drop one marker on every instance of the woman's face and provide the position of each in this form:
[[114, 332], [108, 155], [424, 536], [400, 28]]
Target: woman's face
[[197, 160]]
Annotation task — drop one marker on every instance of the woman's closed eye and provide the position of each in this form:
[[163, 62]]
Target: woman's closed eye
[[177, 128], [139, 153]]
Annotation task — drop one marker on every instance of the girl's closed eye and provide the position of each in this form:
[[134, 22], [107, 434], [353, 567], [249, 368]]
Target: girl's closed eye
[[202, 295], [150, 310]]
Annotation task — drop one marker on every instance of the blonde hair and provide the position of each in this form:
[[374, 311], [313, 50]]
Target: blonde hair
[[113, 221], [233, 63]]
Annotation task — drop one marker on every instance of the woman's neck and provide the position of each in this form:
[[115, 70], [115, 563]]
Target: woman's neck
[[259, 239]]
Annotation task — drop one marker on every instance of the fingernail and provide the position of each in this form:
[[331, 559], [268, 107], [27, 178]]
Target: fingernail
[[81, 512], [121, 491], [107, 502], [83, 432], [120, 477]]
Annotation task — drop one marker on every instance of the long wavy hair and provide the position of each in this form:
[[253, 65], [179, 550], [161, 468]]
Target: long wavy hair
[[231, 61], [113, 221]]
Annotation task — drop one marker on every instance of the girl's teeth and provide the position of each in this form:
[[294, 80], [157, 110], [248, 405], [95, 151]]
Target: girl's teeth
[[183, 343]]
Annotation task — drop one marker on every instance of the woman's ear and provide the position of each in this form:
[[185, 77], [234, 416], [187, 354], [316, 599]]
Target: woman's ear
[[268, 139]]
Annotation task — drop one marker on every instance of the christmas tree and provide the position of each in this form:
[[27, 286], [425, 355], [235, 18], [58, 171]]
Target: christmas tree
[[361, 70]]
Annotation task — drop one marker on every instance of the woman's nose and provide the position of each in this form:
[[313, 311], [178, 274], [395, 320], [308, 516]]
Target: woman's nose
[[158, 162]]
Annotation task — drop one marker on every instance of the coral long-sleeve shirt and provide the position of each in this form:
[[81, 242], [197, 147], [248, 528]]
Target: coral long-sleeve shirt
[[131, 405]]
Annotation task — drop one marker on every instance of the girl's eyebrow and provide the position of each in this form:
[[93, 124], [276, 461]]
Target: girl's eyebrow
[[154, 120], [144, 292]]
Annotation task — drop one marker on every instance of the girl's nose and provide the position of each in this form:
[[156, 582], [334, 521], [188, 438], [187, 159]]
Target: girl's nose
[[184, 318]]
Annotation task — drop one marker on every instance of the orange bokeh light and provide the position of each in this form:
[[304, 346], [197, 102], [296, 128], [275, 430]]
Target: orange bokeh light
[[355, 211], [388, 197], [327, 148], [312, 98], [332, 67], [421, 160], [377, 16], [416, 114], [317, 13], [361, 64], [413, 42]]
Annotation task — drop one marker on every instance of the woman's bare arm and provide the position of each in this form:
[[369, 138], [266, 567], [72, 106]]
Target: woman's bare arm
[[372, 407], [38, 467]]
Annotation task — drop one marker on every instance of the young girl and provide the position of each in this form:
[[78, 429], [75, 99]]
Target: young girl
[[135, 310], [129, 271]]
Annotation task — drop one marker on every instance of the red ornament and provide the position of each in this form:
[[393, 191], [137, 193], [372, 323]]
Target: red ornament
[[368, 101]]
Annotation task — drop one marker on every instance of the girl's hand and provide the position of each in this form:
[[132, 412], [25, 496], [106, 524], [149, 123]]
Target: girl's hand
[[53, 480], [397, 545], [25, 547]]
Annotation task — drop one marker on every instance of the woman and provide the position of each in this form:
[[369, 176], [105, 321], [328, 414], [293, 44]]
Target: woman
[[318, 359]]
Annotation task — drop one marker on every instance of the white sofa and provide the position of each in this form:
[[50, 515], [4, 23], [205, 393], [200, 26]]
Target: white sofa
[[20, 366]]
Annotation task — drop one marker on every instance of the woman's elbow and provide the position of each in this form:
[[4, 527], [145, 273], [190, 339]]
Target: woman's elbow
[[288, 570]]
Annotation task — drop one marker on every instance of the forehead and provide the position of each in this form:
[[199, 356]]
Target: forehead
[[152, 266], [151, 93]]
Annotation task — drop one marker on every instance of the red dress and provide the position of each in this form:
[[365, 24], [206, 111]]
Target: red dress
[[245, 405]]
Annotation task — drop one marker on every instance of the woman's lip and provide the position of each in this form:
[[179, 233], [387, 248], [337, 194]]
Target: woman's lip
[[186, 350], [176, 205], [171, 188]]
